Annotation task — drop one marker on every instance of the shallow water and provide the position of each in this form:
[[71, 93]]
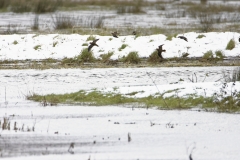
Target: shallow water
[[102, 132]]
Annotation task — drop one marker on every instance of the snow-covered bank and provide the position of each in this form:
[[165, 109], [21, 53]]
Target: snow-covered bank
[[207, 89], [57, 46]]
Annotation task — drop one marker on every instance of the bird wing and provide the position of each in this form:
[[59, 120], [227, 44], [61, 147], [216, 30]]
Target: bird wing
[[94, 41], [90, 47], [182, 37]]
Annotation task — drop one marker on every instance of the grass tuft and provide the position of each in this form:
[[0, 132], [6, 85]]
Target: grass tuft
[[200, 36], [220, 101], [44, 6], [63, 22], [208, 55], [85, 56], [15, 42], [230, 45], [153, 58], [122, 47], [132, 57], [219, 54], [106, 57], [91, 38], [85, 44], [37, 47]]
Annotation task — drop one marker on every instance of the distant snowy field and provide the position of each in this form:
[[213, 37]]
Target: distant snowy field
[[20, 47]]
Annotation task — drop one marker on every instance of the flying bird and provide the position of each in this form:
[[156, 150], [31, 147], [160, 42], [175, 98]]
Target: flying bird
[[93, 43], [182, 37], [134, 33], [160, 50], [115, 34]]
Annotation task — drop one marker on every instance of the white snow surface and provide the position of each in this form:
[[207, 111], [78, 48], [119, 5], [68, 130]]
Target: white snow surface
[[101, 133], [22, 46]]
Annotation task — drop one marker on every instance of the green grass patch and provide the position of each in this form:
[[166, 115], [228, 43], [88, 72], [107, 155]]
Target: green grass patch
[[153, 58], [54, 44], [37, 47], [85, 44], [91, 38], [15, 42], [170, 36], [200, 36], [106, 57], [122, 47], [219, 54], [208, 55], [85, 56], [83, 97], [132, 57], [97, 98], [230, 45]]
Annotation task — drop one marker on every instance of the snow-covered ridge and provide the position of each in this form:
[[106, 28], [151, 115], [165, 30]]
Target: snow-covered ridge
[[58, 46]]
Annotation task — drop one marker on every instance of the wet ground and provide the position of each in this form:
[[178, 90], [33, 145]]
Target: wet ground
[[110, 132], [172, 15]]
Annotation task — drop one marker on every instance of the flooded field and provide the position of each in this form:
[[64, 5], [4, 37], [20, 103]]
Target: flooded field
[[165, 16], [31, 130], [110, 132]]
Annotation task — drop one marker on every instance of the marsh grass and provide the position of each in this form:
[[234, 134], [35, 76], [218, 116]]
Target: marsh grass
[[135, 8], [44, 6], [169, 37], [91, 38], [236, 75], [21, 6], [55, 43], [229, 103], [233, 77], [204, 1], [35, 25], [85, 44], [208, 55], [6, 123], [123, 46], [206, 22], [83, 97], [64, 22], [153, 58], [212, 8], [85, 56], [200, 36], [219, 54], [4, 3], [37, 47], [132, 57], [37, 6], [106, 57], [230, 45], [15, 42]]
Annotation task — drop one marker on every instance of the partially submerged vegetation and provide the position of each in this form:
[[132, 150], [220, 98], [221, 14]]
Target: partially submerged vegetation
[[219, 102], [222, 100]]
